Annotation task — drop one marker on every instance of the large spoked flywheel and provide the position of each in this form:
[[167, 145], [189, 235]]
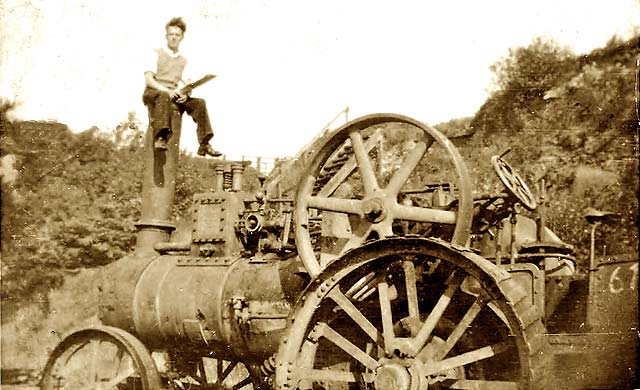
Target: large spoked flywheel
[[412, 313], [100, 358], [361, 182]]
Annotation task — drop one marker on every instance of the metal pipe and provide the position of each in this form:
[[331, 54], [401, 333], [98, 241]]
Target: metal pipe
[[592, 254], [542, 212], [513, 220], [499, 248], [158, 188], [236, 171], [219, 184], [163, 247], [592, 277]]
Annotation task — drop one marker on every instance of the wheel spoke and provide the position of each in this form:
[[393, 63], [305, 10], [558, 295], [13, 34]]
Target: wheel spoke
[[370, 287], [227, 371], [366, 294], [386, 314], [461, 327], [364, 163], [219, 370], [508, 175], [384, 228], [465, 358], [307, 353], [523, 190], [203, 373], [306, 359], [72, 351], [118, 357], [93, 366], [436, 313], [358, 286], [356, 315], [348, 206], [246, 381], [222, 374], [113, 382], [348, 167], [423, 214], [410, 163], [360, 233], [412, 291], [324, 330]]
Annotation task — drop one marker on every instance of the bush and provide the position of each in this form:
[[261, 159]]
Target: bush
[[580, 112], [75, 201]]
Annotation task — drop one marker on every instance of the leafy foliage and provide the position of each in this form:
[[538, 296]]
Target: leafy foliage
[[458, 127], [521, 79], [75, 201], [557, 113]]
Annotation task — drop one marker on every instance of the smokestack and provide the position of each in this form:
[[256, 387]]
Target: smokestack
[[158, 188]]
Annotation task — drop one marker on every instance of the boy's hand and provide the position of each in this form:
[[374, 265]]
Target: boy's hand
[[174, 94], [183, 94], [182, 97]]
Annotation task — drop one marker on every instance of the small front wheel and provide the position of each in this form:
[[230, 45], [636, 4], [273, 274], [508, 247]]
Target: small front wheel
[[100, 358]]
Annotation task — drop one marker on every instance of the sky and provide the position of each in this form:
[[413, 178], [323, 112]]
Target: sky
[[285, 67]]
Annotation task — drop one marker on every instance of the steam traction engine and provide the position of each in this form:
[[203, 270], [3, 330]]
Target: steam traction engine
[[379, 269]]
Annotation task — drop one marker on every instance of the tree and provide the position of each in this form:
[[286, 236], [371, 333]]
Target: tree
[[534, 69], [128, 134], [520, 82]]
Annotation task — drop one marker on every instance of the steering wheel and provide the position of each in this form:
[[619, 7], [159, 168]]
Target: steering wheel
[[514, 183]]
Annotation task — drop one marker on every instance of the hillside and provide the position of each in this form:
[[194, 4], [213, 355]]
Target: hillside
[[571, 121], [70, 201]]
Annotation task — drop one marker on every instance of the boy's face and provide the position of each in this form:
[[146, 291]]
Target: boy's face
[[174, 37]]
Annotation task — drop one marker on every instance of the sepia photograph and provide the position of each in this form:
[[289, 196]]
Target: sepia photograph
[[319, 195]]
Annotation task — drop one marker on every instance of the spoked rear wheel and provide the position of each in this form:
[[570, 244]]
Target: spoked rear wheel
[[100, 358], [411, 313]]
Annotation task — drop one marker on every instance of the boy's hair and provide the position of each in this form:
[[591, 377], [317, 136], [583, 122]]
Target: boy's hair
[[177, 22]]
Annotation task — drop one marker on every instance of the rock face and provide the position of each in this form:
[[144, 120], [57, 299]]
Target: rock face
[[586, 178]]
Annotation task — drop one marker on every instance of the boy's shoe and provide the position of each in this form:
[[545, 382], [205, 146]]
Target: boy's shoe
[[207, 149], [160, 143]]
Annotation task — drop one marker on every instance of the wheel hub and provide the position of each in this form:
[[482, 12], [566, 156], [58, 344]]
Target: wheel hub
[[392, 376], [374, 210]]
